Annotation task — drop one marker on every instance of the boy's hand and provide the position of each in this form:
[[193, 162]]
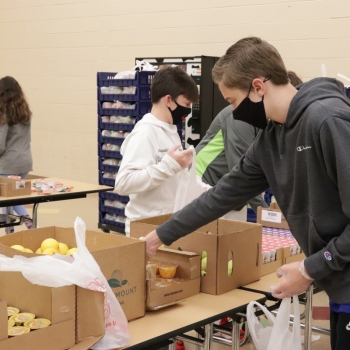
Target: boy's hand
[[184, 158]]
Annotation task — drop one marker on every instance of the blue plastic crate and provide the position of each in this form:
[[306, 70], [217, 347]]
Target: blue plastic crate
[[144, 107], [118, 111], [114, 126], [251, 216], [110, 222], [141, 78], [104, 181], [109, 209], [116, 97], [141, 93], [107, 168], [109, 139], [114, 196], [108, 154]]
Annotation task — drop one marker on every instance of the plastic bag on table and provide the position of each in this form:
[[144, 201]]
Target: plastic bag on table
[[190, 186], [83, 271], [277, 334]]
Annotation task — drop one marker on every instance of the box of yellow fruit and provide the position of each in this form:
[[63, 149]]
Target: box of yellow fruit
[[231, 251], [172, 276], [121, 259], [34, 317]]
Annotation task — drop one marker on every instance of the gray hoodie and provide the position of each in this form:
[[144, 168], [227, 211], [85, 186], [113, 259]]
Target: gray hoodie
[[306, 163]]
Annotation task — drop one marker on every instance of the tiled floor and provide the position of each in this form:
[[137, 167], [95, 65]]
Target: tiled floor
[[63, 214]]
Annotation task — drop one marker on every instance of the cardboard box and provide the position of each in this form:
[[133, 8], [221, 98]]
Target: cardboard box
[[288, 258], [222, 240], [273, 265], [188, 268], [13, 187], [34, 177], [65, 307], [121, 259], [272, 217]]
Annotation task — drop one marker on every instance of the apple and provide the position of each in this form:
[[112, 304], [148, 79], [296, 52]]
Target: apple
[[230, 266], [204, 254], [203, 273]]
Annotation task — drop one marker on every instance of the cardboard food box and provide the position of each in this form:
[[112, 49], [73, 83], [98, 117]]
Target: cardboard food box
[[162, 292], [13, 187], [288, 258], [272, 217], [76, 314], [222, 240], [121, 259]]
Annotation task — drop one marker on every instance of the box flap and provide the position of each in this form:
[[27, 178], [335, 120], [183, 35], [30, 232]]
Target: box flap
[[3, 320], [86, 344]]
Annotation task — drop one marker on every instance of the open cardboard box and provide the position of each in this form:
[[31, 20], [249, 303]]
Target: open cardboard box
[[272, 217], [121, 259], [188, 268], [272, 266], [14, 187], [77, 314], [222, 240]]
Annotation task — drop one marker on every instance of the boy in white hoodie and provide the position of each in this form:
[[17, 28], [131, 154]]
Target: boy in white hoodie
[[152, 153]]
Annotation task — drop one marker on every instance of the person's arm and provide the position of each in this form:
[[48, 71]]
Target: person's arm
[[4, 128], [256, 202], [335, 143], [245, 180], [139, 171]]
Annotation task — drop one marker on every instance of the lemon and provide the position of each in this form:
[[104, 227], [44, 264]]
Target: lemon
[[38, 251], [71, 251], [18, 247], [62, 248], [50, 251], [49, 243], [27, 250]]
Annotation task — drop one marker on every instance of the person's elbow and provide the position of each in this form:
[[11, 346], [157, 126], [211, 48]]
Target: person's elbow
[[120, 186]]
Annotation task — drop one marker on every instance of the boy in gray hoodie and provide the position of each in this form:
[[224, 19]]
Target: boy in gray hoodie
[[302, 154]]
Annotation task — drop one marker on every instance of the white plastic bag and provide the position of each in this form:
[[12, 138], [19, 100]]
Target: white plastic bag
[[278, 334], [83, 270], [189, 187]]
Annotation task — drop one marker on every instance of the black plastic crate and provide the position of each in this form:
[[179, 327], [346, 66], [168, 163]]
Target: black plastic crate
[[110, 222], [109, 139], [108, 154], [105, 181], [106, 167], [109, 209], [141, 93], [119, 111], [141, 78], [115, 126], [114, 196]]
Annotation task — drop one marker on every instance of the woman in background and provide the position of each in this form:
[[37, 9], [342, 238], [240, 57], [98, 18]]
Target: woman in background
[[15, 120]]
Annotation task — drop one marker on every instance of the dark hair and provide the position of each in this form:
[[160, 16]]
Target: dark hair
[[294, 79], [14, 108], [173, 81], [247, 59]]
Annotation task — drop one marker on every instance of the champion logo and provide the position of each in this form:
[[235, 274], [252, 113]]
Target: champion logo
[[328, 255], [348, 327], [303, 148]]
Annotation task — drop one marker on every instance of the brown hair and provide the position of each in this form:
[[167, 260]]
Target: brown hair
[[294, 79], [173, 81], [247, 59], [14, 108]]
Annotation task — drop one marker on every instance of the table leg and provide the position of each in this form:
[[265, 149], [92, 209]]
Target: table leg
[[308, 318], [35, 215], [8, 220], [235, 335], [208, 337]]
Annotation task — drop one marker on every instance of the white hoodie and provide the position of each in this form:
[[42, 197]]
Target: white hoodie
[[147, 174]]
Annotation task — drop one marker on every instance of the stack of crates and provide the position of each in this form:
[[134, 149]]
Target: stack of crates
[[114, 124]]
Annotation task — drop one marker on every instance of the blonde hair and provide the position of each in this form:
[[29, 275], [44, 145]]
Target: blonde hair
[[247, 59]]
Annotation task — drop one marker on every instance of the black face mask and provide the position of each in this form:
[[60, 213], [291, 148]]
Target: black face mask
[[179, 113], [252, 113]]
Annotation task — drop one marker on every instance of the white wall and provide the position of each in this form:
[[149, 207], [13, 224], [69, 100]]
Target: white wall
[[55, 47]]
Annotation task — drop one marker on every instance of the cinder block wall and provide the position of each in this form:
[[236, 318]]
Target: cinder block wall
[[55, 47]]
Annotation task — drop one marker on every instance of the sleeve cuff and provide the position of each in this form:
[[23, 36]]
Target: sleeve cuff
[[316, 266]]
